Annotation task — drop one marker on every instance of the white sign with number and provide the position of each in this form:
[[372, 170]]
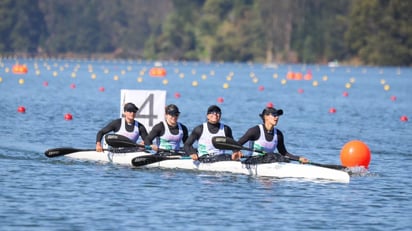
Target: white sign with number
[[151, 104]]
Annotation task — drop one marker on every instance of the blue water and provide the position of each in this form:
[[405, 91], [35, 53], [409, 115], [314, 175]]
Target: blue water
[[38, 193]]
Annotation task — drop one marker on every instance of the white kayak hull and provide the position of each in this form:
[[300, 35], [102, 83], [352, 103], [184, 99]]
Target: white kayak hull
[[277, 170]]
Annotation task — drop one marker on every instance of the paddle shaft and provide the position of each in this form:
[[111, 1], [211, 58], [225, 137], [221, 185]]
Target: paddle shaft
[[116, 140], [222, 142]]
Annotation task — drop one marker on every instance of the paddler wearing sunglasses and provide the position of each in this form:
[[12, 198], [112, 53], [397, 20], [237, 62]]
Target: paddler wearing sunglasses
[[266, 137], [168, 134], [204, 133], [127, 126]]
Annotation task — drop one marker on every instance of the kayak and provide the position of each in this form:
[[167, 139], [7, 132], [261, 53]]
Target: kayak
[[276, 170]]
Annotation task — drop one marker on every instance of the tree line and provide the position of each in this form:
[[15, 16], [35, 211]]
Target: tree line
[[369, 32]]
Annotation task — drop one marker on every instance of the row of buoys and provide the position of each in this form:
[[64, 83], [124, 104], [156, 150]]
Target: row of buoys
[[157, 72], [22, 109], [19, 69], [298, 76]]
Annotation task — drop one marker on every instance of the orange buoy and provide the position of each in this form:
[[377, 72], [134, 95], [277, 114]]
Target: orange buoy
[[19, 69], [355, 153], [68, 116], [157, 72], [332, 110]]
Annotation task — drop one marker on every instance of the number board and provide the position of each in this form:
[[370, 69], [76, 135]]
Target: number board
[[151, 104]]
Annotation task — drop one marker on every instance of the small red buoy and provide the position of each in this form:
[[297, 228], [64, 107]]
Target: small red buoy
[[101, 89], [72, 86], [300, 90], [404, 118], [393, 98], [177, 95], [270, 104], [261, 88], [332, 110], [45, 83], [355, 153], [220, 100], [345, 93], [21, 109], [68, 116]]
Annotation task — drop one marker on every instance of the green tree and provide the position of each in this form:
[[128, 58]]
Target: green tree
[[21, 26]]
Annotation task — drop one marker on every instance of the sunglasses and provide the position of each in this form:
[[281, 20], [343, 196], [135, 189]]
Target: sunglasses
[[174, 114], [272, 114]]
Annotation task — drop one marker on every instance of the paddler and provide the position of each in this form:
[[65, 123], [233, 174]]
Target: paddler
[[127, 126], [168, 134], [266, 137], [204, 133]]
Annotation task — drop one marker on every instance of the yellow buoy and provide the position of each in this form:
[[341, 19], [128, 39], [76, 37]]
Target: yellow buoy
[[165, 82], [386, 87], [348, 85], [195, 83], [204, 77], [283, 81], [315, 83], [225, 85], [21, 81], [325, 78], [139, 79], [115, 77]]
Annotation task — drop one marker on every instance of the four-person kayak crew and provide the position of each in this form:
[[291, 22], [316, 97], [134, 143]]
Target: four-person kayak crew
[[264, 138], [127, 126], [168, 134], [203, 134]]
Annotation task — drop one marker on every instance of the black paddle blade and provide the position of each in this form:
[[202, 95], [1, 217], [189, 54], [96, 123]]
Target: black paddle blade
[[226, 143], [150, 159], [55, 152], [116, 140]]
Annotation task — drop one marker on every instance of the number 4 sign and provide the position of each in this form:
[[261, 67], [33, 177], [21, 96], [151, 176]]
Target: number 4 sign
[[151, 104]]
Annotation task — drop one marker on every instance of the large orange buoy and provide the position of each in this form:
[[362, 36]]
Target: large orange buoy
[[355, 153], [157, 72]]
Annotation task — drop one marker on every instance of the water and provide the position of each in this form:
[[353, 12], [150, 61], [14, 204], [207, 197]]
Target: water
[[38, 193]]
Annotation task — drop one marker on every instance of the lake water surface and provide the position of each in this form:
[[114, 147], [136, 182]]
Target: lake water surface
[[38, 193]]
